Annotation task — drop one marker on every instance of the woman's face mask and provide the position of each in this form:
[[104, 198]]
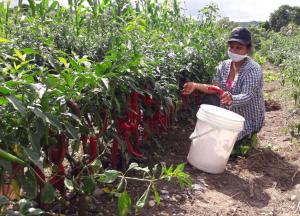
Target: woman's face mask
[[236, 57]]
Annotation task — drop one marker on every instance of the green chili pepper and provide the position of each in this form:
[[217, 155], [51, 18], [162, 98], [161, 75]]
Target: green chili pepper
[[7, 156]]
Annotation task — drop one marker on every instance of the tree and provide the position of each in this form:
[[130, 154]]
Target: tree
[[280, 17], [266, 25], [284, 15], [296, 18]]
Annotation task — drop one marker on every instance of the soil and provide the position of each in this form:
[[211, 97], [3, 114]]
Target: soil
[[266, 182]]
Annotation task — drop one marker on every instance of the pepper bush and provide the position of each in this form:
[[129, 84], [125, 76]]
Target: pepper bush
[[83, 86]]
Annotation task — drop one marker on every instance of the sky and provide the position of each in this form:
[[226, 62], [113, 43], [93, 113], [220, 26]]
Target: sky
[[240, 10], [235, 10]]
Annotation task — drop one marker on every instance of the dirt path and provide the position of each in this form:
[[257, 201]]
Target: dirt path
[[267, 182]]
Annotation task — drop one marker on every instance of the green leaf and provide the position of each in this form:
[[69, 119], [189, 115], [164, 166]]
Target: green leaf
[[4, 40], [52, 6], [121, 185], [68, 78], [16, 104], [35, 137], [132, 166], [143, 199], [29, 51], [64, 61], [48, 193], [155, 169], [103, 68], [46, 117], [96, 165], [53, 81], [69, 184], [35, 211], [53, 120], [19, 55], [179, 168], [39, 113], [72, 130], [3, 101], [3, 200], [4, 90], [135, 166], [156, 194], [32, 7], [89, 184], [109, 176], [13, 83], [24, 205], [124, 204], [17, 67], [74, 63], [30, 184], [34, 156], [170, 171], [82, 60]]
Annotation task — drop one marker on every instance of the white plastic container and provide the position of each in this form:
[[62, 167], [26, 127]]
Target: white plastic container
[[213, 138]]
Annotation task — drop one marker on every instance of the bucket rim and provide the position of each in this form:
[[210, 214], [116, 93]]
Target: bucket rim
[[216, 119], [207, 108]]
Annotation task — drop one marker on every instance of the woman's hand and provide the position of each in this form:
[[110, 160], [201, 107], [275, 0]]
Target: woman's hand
[[188, 88], [226, 98]]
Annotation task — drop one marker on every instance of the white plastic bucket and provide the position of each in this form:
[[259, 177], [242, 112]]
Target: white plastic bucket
[[213, 138]]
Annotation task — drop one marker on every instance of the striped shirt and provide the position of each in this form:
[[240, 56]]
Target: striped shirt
[[247, 93]]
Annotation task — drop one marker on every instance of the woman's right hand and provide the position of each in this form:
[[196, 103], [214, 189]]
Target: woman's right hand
[[188, 88]]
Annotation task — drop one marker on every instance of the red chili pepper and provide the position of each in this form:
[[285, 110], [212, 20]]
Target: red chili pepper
[[93, 147], [147, 100], [57, 153], [84, 139], [63, 147], [129, 145], [40, 174], [104, 117], [136, 133], [57, 180], [216, 89], [136, 116], [53, 154], [163, 121], [125, 129], [114, 153]]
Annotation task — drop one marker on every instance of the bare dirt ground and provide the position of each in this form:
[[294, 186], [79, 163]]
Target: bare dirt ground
[[267, 182]]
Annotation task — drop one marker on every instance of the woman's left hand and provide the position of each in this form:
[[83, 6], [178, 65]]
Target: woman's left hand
[[226, 98]]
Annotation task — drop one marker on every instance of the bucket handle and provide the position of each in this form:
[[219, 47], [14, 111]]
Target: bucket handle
[[193, 136]]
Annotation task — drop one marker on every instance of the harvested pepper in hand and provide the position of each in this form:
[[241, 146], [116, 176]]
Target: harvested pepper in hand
[[216, 89]]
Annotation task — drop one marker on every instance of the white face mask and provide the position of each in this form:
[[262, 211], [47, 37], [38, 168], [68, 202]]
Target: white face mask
[[236, 57]]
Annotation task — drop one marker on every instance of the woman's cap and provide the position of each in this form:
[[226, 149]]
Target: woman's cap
[[241, 35]]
